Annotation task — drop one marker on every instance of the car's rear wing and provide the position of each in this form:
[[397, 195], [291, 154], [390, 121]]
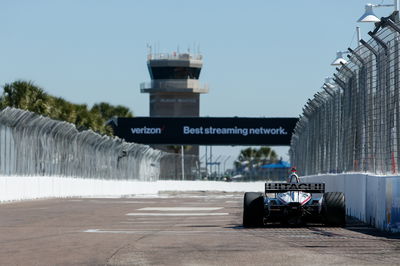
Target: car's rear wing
[[284, 187]]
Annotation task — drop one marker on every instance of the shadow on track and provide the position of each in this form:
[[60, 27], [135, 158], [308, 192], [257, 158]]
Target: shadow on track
[[352, 224], [358, 226]]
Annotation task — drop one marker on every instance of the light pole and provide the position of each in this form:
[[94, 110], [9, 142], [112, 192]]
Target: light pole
[[206, 161], [339, 58], [183, 162], [211, 160], [216, 163], [369, 15], [227, 158]]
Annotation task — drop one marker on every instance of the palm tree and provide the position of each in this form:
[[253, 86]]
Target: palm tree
[[267, 155], [256, 157], [107, 110], [25, 95]]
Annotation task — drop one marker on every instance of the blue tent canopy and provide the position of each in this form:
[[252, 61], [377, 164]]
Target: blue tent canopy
[[280, 164]]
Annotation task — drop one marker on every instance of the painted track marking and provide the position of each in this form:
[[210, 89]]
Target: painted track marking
[[167, 232], [166, 209], [177, 214]]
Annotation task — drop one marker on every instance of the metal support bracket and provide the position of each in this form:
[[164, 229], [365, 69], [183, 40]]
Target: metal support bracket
[[359, 58], [339, 82], [379, 42], [369, 47]]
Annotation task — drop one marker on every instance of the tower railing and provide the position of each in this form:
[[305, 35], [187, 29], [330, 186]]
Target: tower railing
[[188, 84], [174, 56]]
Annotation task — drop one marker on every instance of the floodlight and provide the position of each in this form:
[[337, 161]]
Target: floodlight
[[339, 59], [369, 15]]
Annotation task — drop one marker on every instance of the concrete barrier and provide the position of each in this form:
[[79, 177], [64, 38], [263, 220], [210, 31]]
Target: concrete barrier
[[372, 199], [17, 188]]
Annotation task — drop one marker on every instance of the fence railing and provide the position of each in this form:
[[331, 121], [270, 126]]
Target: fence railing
[[353, 125], [31, 144]]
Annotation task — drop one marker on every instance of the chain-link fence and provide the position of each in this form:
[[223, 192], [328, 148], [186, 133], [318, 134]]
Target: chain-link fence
[[353, 125], [31, 144], [173, 167]]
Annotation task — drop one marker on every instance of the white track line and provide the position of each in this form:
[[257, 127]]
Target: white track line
[[167, 209], [161, 219], [168, 232], [178, 214], [144, 222]]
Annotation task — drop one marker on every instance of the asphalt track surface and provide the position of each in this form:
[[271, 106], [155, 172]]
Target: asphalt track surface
[[199, 228]]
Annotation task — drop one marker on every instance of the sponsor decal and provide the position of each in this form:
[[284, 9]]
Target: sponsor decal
[[306, 200], [147, 130], [233, 131], [205, 130], [295, 186]]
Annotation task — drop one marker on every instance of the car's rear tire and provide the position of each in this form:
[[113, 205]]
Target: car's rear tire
[[253, 209], [334, 209]]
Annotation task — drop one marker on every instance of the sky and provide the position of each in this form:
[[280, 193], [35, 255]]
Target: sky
[[262, 58]]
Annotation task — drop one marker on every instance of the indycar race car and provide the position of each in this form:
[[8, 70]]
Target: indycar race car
[[294, 204]]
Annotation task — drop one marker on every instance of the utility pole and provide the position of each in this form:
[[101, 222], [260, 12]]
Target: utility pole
[[206, 161], [211, 160], [183, 163], [227, 158]]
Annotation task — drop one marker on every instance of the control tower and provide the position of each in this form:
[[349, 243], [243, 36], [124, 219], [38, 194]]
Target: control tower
[[174, 88]]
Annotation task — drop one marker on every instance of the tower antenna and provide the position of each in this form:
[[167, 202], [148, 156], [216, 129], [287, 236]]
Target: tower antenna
[[148, 49]]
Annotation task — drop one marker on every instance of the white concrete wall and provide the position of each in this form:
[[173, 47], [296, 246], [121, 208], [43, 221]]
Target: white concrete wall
[[372, 199], [16, 188]]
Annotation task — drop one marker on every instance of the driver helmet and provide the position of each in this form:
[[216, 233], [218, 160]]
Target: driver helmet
[[293, 177]]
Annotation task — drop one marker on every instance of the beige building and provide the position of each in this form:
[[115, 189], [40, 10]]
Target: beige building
[[174, 90]]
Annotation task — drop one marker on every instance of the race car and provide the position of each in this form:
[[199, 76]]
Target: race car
[[294, 203]]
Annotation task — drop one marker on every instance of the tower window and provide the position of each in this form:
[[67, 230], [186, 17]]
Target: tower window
[[175, 72]]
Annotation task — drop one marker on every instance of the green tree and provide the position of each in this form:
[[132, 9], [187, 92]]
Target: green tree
[[266, 155], [256, 157], [25, 95], [107, 111]]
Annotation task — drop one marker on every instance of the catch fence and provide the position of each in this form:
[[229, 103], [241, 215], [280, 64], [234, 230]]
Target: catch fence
[[34, 145], [353, 124]]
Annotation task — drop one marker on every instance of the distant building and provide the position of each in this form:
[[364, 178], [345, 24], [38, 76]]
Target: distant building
[[174, 90]]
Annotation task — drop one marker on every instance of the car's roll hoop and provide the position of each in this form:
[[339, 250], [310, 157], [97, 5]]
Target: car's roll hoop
[[284, 187]]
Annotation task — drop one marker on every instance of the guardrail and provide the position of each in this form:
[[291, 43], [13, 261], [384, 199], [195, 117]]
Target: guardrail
[[353, 125]]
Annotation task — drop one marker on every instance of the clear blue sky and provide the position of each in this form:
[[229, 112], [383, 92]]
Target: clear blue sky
[[261, 58]]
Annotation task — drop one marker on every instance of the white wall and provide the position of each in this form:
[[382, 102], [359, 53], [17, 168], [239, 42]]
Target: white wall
[[372, 199], [15, 188]]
